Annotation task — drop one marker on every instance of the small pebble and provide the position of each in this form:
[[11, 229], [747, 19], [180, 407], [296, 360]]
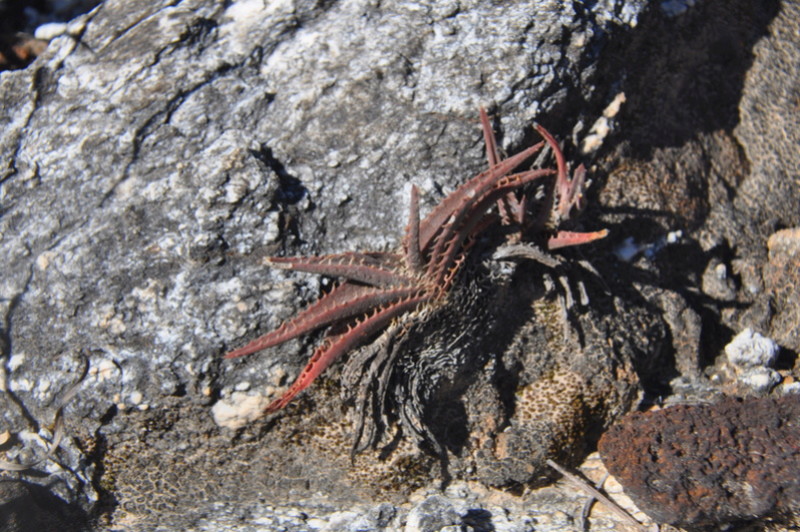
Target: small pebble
[[136, 397], [748, 349], [50, 31]]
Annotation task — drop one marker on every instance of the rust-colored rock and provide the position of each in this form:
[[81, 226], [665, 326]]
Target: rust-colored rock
[[708, 464], [19, 50]]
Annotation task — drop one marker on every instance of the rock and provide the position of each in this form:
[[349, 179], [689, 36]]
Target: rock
[[155, 154], [434, 513], [759, 380], [685, 325], [717, 281], [748, 368], [238, 410], [767, 200], [27, 507], [700, 465], [749, 349], [767, 129], [782, 283]]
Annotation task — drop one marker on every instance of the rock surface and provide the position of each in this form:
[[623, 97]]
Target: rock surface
[[176, 146], [27, 507], [157, 152], [704, 465]]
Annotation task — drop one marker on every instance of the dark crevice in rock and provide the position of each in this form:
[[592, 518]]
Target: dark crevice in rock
[[27, 507]]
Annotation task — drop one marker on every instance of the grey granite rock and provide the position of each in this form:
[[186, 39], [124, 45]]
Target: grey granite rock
[[434, 513], [157, 152]]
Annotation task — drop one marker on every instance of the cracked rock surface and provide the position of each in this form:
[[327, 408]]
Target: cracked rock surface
[[157, 152]]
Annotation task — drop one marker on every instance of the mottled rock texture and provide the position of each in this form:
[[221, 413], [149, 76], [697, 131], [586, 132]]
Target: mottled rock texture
[[157, 152], [710, 464], [782, 282], [26, 507], [767, 201], [151, 158]]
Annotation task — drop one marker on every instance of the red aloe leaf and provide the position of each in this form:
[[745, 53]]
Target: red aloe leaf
[[468, 214], [344, 301], [336, 346], [569, 238], [442, 212], [376, 269], [508, 206]]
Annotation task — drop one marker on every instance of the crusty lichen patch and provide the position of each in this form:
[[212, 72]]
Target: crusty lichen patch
[[551, 420], [239, 409], [560, 401]]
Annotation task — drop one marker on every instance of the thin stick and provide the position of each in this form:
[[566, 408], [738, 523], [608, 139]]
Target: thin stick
[[588, 488], [587, 508]]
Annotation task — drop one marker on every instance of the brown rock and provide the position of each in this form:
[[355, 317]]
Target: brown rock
[[782, 280], [695, 465]]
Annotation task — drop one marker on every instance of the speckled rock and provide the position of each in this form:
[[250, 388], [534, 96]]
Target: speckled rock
[[434, 513], [157, 152], [710, 464], [755, 365], [767, 200], [782, 283], [26, 507]]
